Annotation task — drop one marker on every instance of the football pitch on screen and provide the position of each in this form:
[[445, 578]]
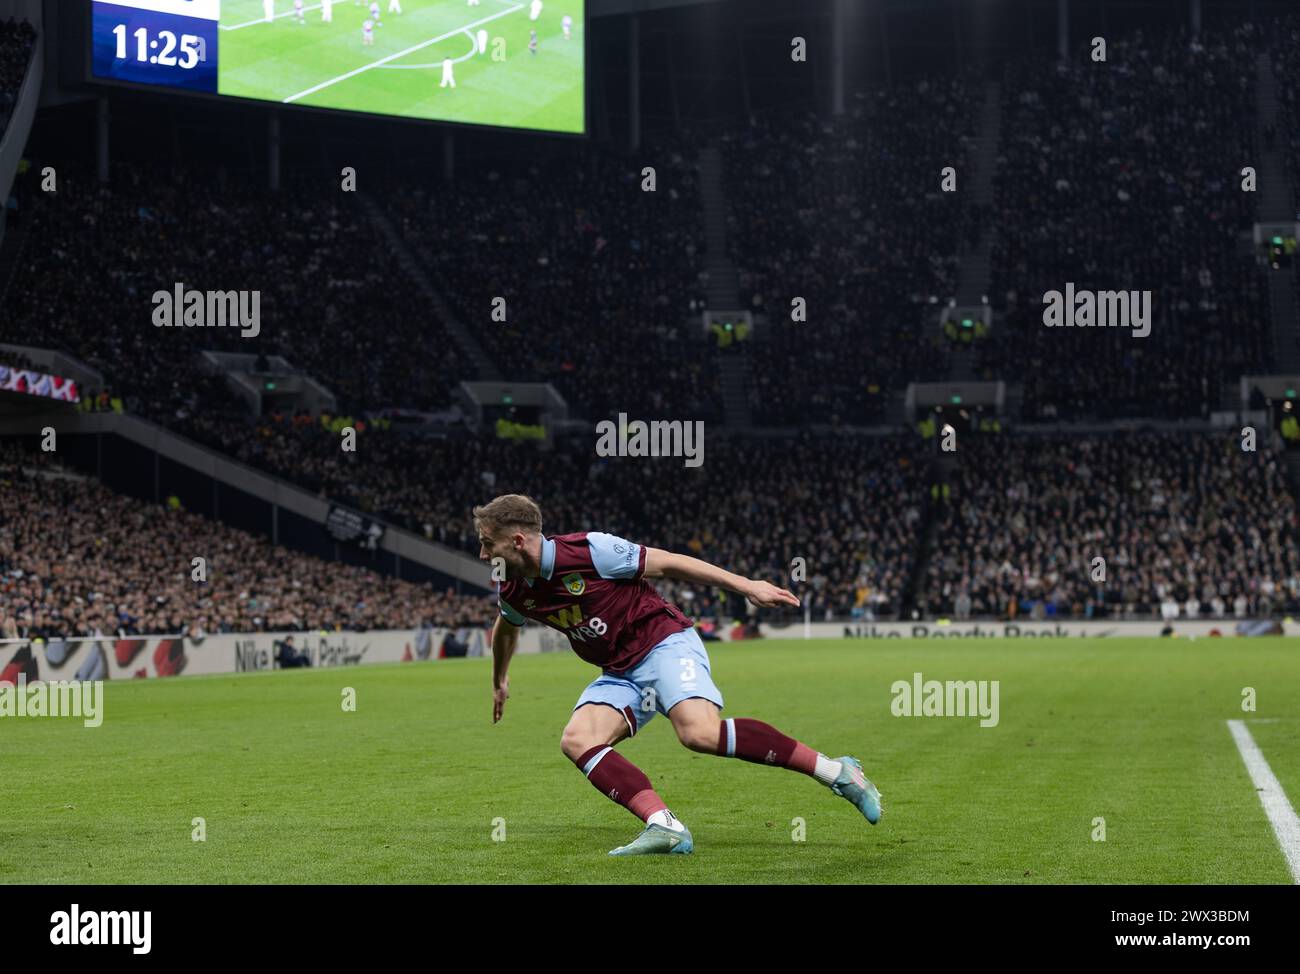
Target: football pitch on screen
[[327, 65], [1111, 761]]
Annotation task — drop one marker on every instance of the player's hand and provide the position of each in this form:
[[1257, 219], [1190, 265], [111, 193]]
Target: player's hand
[[500, 694], [765, 595]]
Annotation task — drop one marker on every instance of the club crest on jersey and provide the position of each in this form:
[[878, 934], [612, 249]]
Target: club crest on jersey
[[575, 583], [529, 603]]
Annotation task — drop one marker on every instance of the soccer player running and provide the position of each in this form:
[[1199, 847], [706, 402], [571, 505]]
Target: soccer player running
[[593, 587]]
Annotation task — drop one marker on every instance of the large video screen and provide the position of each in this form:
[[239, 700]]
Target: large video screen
[[510, 63]]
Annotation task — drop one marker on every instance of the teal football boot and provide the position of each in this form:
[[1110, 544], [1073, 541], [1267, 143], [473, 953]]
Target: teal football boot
[[657, 840], [857, 788]]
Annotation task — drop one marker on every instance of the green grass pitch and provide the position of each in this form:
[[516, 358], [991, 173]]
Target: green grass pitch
[[407, 788], [327, 66]]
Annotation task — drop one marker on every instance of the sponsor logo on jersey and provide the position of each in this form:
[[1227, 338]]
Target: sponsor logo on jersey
[[575, 583], [566, 618]]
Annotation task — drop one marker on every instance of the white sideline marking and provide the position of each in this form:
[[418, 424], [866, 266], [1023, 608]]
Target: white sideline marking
[[393, 57], [473, 49], [1286, 826]]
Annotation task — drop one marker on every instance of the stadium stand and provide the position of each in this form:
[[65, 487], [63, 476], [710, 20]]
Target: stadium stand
[[76, 558], [849, 215], [1197, 521], [17, 38], [1126, 179], [604, 284]]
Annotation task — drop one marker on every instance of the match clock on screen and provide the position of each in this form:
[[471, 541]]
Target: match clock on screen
[[172, 43]]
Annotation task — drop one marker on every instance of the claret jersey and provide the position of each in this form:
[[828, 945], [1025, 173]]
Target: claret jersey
[[592, 588]]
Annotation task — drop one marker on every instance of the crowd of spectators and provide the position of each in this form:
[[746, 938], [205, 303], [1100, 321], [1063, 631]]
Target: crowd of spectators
[[1119, 179], [1283, 40], [602, 283], [77, 559], [332, 299], [1281, 37], [849, 214], [1188, 519], [1198, 523], [17, 41], [19, 362], [753, 505], [1123, 178], [849, 508], [1127, 176], [602, 280]]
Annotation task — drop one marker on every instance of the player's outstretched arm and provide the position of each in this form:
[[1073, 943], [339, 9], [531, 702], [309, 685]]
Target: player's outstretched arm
[[505, 638], [666, 564]]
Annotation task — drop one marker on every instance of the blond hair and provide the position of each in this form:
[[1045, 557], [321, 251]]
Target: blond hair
[[509, 512]]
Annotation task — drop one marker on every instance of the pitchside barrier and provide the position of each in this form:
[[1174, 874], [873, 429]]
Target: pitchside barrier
[[152, 656], [1028, 629]]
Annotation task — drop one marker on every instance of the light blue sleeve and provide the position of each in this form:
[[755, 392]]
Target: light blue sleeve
[[509, 614], [614, 557]]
